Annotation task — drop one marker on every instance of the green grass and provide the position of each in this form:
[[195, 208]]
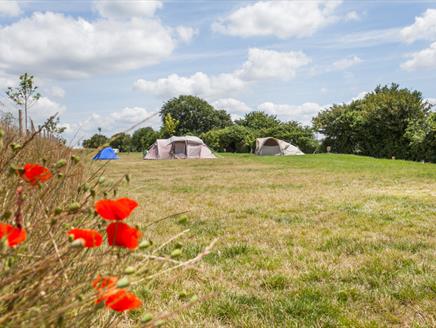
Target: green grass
[[304, 241]]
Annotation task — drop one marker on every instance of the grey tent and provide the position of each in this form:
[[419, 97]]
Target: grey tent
[[273, 146], [187, 147]]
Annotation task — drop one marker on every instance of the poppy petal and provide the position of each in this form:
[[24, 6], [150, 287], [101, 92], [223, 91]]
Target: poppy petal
[[123, 300], [122, 235], [92, 238], [13, 234], [118, 209], [34, 173]]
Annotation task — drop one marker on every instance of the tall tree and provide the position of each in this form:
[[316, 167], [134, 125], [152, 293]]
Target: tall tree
[[259, 120], [143, 138], [24, 95], [195, 115]]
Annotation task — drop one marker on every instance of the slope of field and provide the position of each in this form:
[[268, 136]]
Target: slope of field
[[316, 240]]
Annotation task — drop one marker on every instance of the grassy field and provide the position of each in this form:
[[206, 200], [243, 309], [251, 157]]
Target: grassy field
[[310, 241]]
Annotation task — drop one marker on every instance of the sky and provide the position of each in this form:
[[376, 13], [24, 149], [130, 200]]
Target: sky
[[111, 64]]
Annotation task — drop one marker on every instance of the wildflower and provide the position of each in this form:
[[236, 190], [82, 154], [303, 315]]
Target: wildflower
[[122, 300], [118, 209], [104, 286], [13, 234], [122, 235], [34, 173], [91, 238]]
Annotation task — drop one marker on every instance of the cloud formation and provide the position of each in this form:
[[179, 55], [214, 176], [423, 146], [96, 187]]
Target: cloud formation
[[260, 65], [282, 19], [9, 8], [127, 9]]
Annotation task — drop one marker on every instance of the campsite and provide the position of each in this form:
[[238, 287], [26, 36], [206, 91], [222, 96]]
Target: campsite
[[217, 164]]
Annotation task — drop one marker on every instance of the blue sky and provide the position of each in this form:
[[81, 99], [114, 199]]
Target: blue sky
[[110, 64]]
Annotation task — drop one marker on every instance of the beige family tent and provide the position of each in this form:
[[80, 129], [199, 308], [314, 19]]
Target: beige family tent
[[273, 146], [179, 148]]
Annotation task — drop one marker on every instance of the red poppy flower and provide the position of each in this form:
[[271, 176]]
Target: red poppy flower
[[13, 234], [105, 286], [122, 235], [123, 300], [91, 238], [34, 173], [117, 209]]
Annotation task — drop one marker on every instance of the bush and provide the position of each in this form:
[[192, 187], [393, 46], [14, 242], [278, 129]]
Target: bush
[[235, 138], [143, 138], [121, 141], [387, 122]]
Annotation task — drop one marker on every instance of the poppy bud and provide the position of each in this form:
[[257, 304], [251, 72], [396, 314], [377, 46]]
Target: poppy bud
[[194, 298], [146, 318], [159, 323], [93, 193], [60, 163], [15, 146], [122, 283], [183, 219], [176, 253], [57, 211], [129, 270], [78, 243], [61, 175], [6, 215], [145, 244], [101, 180], [178, 246], [75, 159], [73, 207]]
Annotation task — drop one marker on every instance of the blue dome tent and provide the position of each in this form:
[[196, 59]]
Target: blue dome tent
[[106, 154]]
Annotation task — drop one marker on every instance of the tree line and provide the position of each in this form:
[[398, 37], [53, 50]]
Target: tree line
[[387, 122]]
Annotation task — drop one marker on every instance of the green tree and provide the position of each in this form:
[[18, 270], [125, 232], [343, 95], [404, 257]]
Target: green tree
[[95, 141], [121, 141], [235, 138], [195, 115], [170, 125], [259, 120], [24, 95], [384, 123], [143, 138]]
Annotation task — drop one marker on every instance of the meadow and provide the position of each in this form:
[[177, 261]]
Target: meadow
[[307, 241]]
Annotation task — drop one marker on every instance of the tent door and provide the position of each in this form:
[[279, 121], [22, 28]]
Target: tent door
[[179, 149]]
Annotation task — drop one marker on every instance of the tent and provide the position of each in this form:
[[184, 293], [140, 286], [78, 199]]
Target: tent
[[106, 154], [179, 148], [273, 146]]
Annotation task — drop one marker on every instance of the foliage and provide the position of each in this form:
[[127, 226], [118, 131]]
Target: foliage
[[235, 138], [259, 120], [121, 141], [143, 138], [241, 137], [97, 140], [59, 230], [170, 125], [387, 122], [195, 115], [24, 95]]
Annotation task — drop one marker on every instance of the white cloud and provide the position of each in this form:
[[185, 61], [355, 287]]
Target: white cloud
[[231, 105], [9, 8], [127, 9], [423, 28], [270, 64], [57, 92], [431, 101], [199, 84], [261, 64], [186, 34], [346, 63], [44, 108], [283, 19], [425, 58], [85, 48], [301, 113], [352, 16], [111, 123]]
